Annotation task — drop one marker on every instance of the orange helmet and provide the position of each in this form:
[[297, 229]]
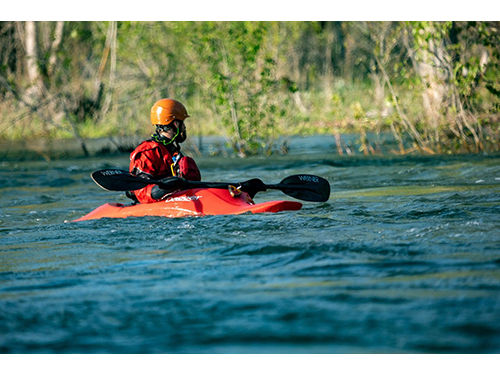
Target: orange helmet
[[164, 111]]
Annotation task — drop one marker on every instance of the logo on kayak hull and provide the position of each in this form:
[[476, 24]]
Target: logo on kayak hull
[[183, 199]]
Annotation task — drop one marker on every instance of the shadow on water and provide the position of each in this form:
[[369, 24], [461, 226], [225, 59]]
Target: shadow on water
[[403, 258]]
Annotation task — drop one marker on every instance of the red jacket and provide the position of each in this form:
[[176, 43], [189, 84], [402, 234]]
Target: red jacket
[[154, 160]]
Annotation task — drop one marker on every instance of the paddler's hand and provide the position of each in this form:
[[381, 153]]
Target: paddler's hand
[[252, 186], [167, 186], [172, 183]]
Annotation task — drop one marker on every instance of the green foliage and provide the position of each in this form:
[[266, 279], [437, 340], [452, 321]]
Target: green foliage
[[240, 80], [255, 82]]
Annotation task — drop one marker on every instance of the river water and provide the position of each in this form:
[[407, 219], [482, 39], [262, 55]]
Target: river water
[[403, 258]]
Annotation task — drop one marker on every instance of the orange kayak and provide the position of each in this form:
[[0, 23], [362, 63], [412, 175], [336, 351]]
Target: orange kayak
[[193, 202]]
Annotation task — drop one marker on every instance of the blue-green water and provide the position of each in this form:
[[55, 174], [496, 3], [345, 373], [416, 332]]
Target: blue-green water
[[403, 258]]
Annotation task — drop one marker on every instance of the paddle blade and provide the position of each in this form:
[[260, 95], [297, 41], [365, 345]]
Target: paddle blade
[[306, 187], [119, 180]]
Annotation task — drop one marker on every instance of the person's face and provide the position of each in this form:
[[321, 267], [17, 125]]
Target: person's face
[[169, 131]]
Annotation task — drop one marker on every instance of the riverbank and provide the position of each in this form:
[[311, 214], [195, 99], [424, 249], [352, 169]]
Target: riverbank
[[211, 146], [45, 149], [197, 146]]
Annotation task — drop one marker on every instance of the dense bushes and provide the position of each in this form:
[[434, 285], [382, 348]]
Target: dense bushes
[[433, 85]]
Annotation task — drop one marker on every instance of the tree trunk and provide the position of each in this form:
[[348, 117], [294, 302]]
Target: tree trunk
[[112, 69], [432, 72], [328, 69], [33, 93], [58, 35]]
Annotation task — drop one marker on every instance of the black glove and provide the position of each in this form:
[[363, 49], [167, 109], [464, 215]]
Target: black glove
[[252, 186], [173, 183], [166, 186]]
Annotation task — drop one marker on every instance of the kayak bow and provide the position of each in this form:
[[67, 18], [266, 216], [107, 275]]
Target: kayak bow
[[193, 202]]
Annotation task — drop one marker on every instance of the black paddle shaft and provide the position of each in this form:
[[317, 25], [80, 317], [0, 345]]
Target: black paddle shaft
[[303, 186]]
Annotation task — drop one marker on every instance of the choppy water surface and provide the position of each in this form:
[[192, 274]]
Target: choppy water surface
[[403, 258]]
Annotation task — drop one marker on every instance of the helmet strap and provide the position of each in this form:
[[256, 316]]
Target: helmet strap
[[164, 140], [171, 144]]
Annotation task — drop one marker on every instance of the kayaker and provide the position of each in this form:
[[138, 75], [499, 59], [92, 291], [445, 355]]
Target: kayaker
[[160, 157]]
